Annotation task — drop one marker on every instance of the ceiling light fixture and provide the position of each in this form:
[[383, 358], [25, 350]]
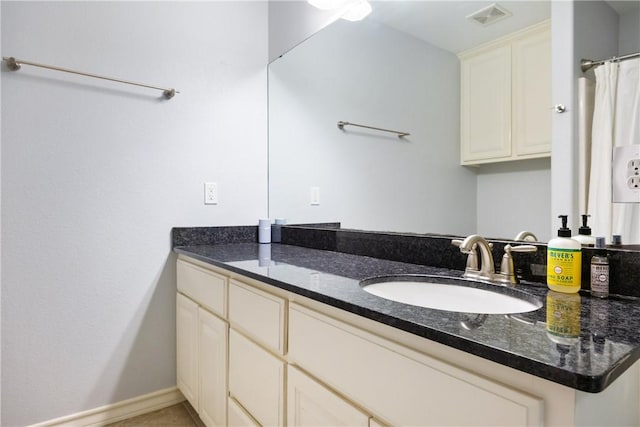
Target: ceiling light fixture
[[352, 10], [357, 11], [328, 4]]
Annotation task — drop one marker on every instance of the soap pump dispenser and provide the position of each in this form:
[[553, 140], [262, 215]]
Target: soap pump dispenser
[[584, 233], [564, 261]]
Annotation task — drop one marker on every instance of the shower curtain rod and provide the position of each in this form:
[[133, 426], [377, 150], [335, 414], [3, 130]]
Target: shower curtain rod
[[14, 64], [587, 64]]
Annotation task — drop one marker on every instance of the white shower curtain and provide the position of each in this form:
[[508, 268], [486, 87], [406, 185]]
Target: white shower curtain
[[616, 122]]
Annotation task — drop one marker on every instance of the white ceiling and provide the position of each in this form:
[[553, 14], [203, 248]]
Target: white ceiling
[[444, 23]]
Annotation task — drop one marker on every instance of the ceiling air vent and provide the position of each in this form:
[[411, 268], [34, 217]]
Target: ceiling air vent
[[489, 14]]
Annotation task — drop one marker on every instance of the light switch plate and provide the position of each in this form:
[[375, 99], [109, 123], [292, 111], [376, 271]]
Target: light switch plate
[[210, 193], [315, 196]]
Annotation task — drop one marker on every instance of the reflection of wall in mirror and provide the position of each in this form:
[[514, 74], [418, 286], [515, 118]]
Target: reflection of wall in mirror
[[582, 29], [373, 181], [602, 33], [374, 75]]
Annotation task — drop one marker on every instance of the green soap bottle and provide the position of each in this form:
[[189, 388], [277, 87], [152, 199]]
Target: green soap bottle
[[564, 261]]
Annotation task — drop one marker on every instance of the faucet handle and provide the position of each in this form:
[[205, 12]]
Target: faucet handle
[[521, 248], [472, 258], [507, 271], [458, 242]]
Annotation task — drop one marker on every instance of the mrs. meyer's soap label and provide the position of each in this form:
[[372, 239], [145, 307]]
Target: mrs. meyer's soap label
[[564, 267]]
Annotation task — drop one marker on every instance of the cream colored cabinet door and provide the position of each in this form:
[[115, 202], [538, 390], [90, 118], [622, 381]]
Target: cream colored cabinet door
[[531, 73], [212, 358], [238, 416], [505, 98], [311, 404], [187, 348], [486, 105], [256, 380]]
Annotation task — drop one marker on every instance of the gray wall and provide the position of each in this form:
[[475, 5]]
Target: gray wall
[[368, 73], [95, 174], [515, 196], [629, 40]]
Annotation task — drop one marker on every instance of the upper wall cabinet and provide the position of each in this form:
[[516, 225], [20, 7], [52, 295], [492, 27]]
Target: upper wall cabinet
[[506, 98]]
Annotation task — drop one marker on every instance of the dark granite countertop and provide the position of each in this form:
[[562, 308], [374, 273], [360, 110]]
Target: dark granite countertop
[[607, 331]]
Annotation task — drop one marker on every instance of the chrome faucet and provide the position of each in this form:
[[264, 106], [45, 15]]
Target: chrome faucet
[[486, 272]]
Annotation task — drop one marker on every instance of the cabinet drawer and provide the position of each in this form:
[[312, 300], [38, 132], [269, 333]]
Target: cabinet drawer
[[259, 314], [203, 286], [398, 384], [256, 380]]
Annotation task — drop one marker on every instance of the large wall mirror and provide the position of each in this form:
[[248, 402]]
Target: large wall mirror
[[398, 69]]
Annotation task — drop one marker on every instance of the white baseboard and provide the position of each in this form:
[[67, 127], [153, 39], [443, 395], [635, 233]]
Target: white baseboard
[[118, 411]]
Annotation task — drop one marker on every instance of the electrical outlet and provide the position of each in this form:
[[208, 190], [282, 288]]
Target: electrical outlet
[[315, 196], [625, 174], [210, 193]]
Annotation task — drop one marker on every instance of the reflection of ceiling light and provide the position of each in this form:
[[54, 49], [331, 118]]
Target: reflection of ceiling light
[[327, 4], [358, 11], [354, 10]]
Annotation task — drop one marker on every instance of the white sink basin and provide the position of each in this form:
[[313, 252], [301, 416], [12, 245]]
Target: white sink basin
[[451, 294]]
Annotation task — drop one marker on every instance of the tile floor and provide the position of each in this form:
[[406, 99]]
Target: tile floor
[[180, 415]]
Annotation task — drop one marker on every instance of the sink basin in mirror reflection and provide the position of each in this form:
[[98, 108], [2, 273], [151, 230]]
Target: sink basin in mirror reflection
[[451, 294]]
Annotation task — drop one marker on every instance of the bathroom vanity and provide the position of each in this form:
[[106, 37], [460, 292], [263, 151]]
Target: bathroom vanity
[[284, 335]]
